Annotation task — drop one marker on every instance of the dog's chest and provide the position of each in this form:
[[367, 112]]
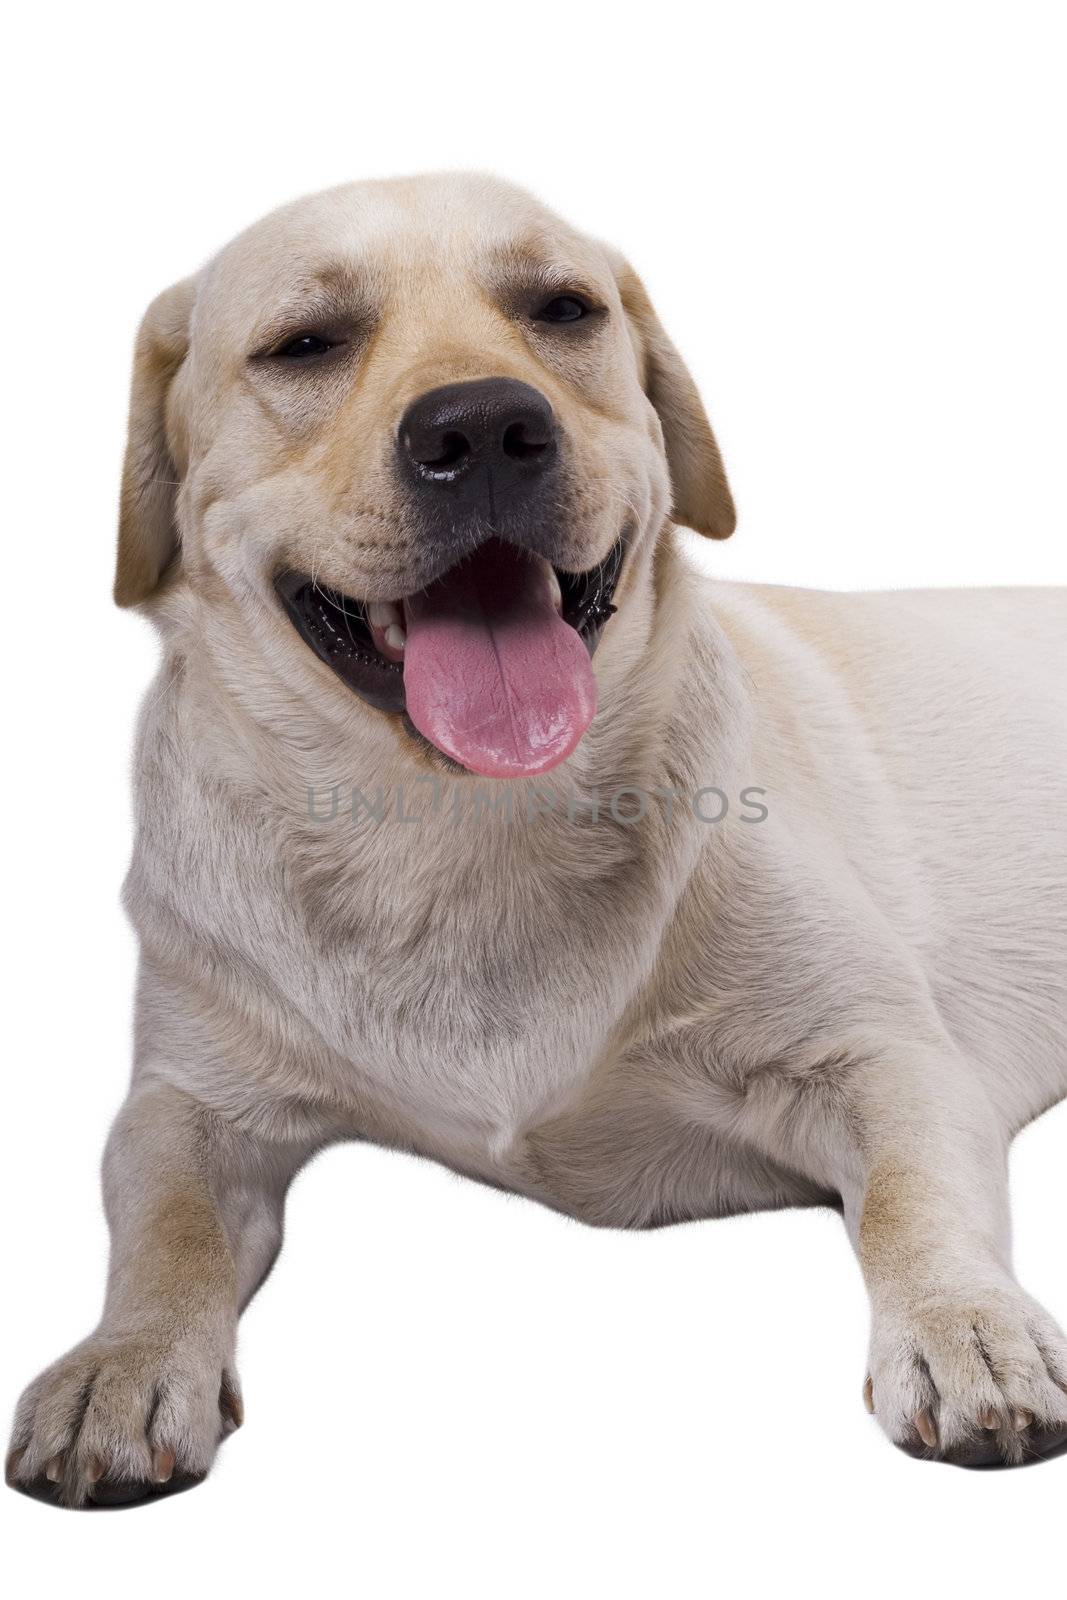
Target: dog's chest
[[460, 986], [476, 1005]]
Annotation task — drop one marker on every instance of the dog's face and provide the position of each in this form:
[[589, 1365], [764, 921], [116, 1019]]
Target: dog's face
[[431, 429]]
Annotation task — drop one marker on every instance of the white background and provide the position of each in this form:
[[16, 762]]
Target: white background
[[851, 218]]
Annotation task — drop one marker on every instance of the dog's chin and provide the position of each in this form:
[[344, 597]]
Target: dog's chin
[[489, 664]]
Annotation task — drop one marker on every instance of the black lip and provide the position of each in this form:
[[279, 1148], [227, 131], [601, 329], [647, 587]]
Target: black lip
[[334, 625], [335, 628]]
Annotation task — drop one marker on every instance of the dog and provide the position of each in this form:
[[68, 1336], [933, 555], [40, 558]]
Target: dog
[[473, 820]]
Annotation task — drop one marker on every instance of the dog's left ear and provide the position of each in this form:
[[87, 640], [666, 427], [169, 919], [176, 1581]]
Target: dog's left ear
[[148, 533], [702, 498]]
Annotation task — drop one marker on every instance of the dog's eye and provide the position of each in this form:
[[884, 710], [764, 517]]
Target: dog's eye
[[305, 344], [563, 308]]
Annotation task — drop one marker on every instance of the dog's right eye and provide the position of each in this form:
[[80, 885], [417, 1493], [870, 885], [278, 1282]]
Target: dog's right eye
[[304, 345], [563, 308]]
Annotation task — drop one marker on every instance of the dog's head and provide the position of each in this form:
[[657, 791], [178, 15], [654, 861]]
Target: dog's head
[[432, 429]]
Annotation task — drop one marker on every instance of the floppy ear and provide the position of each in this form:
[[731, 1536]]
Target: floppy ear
[[702, 498], [148, 535]]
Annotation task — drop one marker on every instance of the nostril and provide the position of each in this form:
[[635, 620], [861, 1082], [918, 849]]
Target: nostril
[[451, 448], [521, 444]]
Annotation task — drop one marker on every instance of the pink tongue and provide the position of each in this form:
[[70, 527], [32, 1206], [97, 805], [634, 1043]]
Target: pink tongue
[[492, 674]]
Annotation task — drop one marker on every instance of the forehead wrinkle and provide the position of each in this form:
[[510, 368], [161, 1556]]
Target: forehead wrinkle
[[542, 264], [340, 291]]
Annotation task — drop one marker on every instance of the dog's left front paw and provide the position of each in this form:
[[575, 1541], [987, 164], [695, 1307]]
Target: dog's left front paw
[[975, 1380]]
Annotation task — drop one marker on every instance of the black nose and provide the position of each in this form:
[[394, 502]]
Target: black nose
[[503, 427]]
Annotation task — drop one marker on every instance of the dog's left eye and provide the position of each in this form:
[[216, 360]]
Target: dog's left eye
[[563, 308], [305, 344]]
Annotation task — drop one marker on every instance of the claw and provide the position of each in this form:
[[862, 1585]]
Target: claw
[[54, 1470], [868, 1394], [11, 1466], [926, 1428], [1022, 1419], [230, 1404], [162, 1465], [95, 1472], [989, 1420]]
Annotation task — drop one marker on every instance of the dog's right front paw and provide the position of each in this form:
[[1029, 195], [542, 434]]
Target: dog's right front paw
[[122, 1418]]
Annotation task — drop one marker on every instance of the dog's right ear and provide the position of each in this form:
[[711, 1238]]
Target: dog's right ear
[[148, 534]]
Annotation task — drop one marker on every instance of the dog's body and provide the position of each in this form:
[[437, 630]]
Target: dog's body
[[648, 996], [849, 988]]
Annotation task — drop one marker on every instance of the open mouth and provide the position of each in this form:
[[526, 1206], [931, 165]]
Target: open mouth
[[491, 662]]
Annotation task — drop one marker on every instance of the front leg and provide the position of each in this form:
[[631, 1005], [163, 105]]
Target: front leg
[[139, 1406], [964, 1366]]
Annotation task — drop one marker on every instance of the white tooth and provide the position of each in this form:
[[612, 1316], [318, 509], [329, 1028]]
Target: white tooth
[[383, 613], [395, 637], [554, 589]]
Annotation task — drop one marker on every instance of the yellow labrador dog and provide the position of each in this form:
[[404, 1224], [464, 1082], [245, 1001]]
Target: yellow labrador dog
[[472, 821]]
